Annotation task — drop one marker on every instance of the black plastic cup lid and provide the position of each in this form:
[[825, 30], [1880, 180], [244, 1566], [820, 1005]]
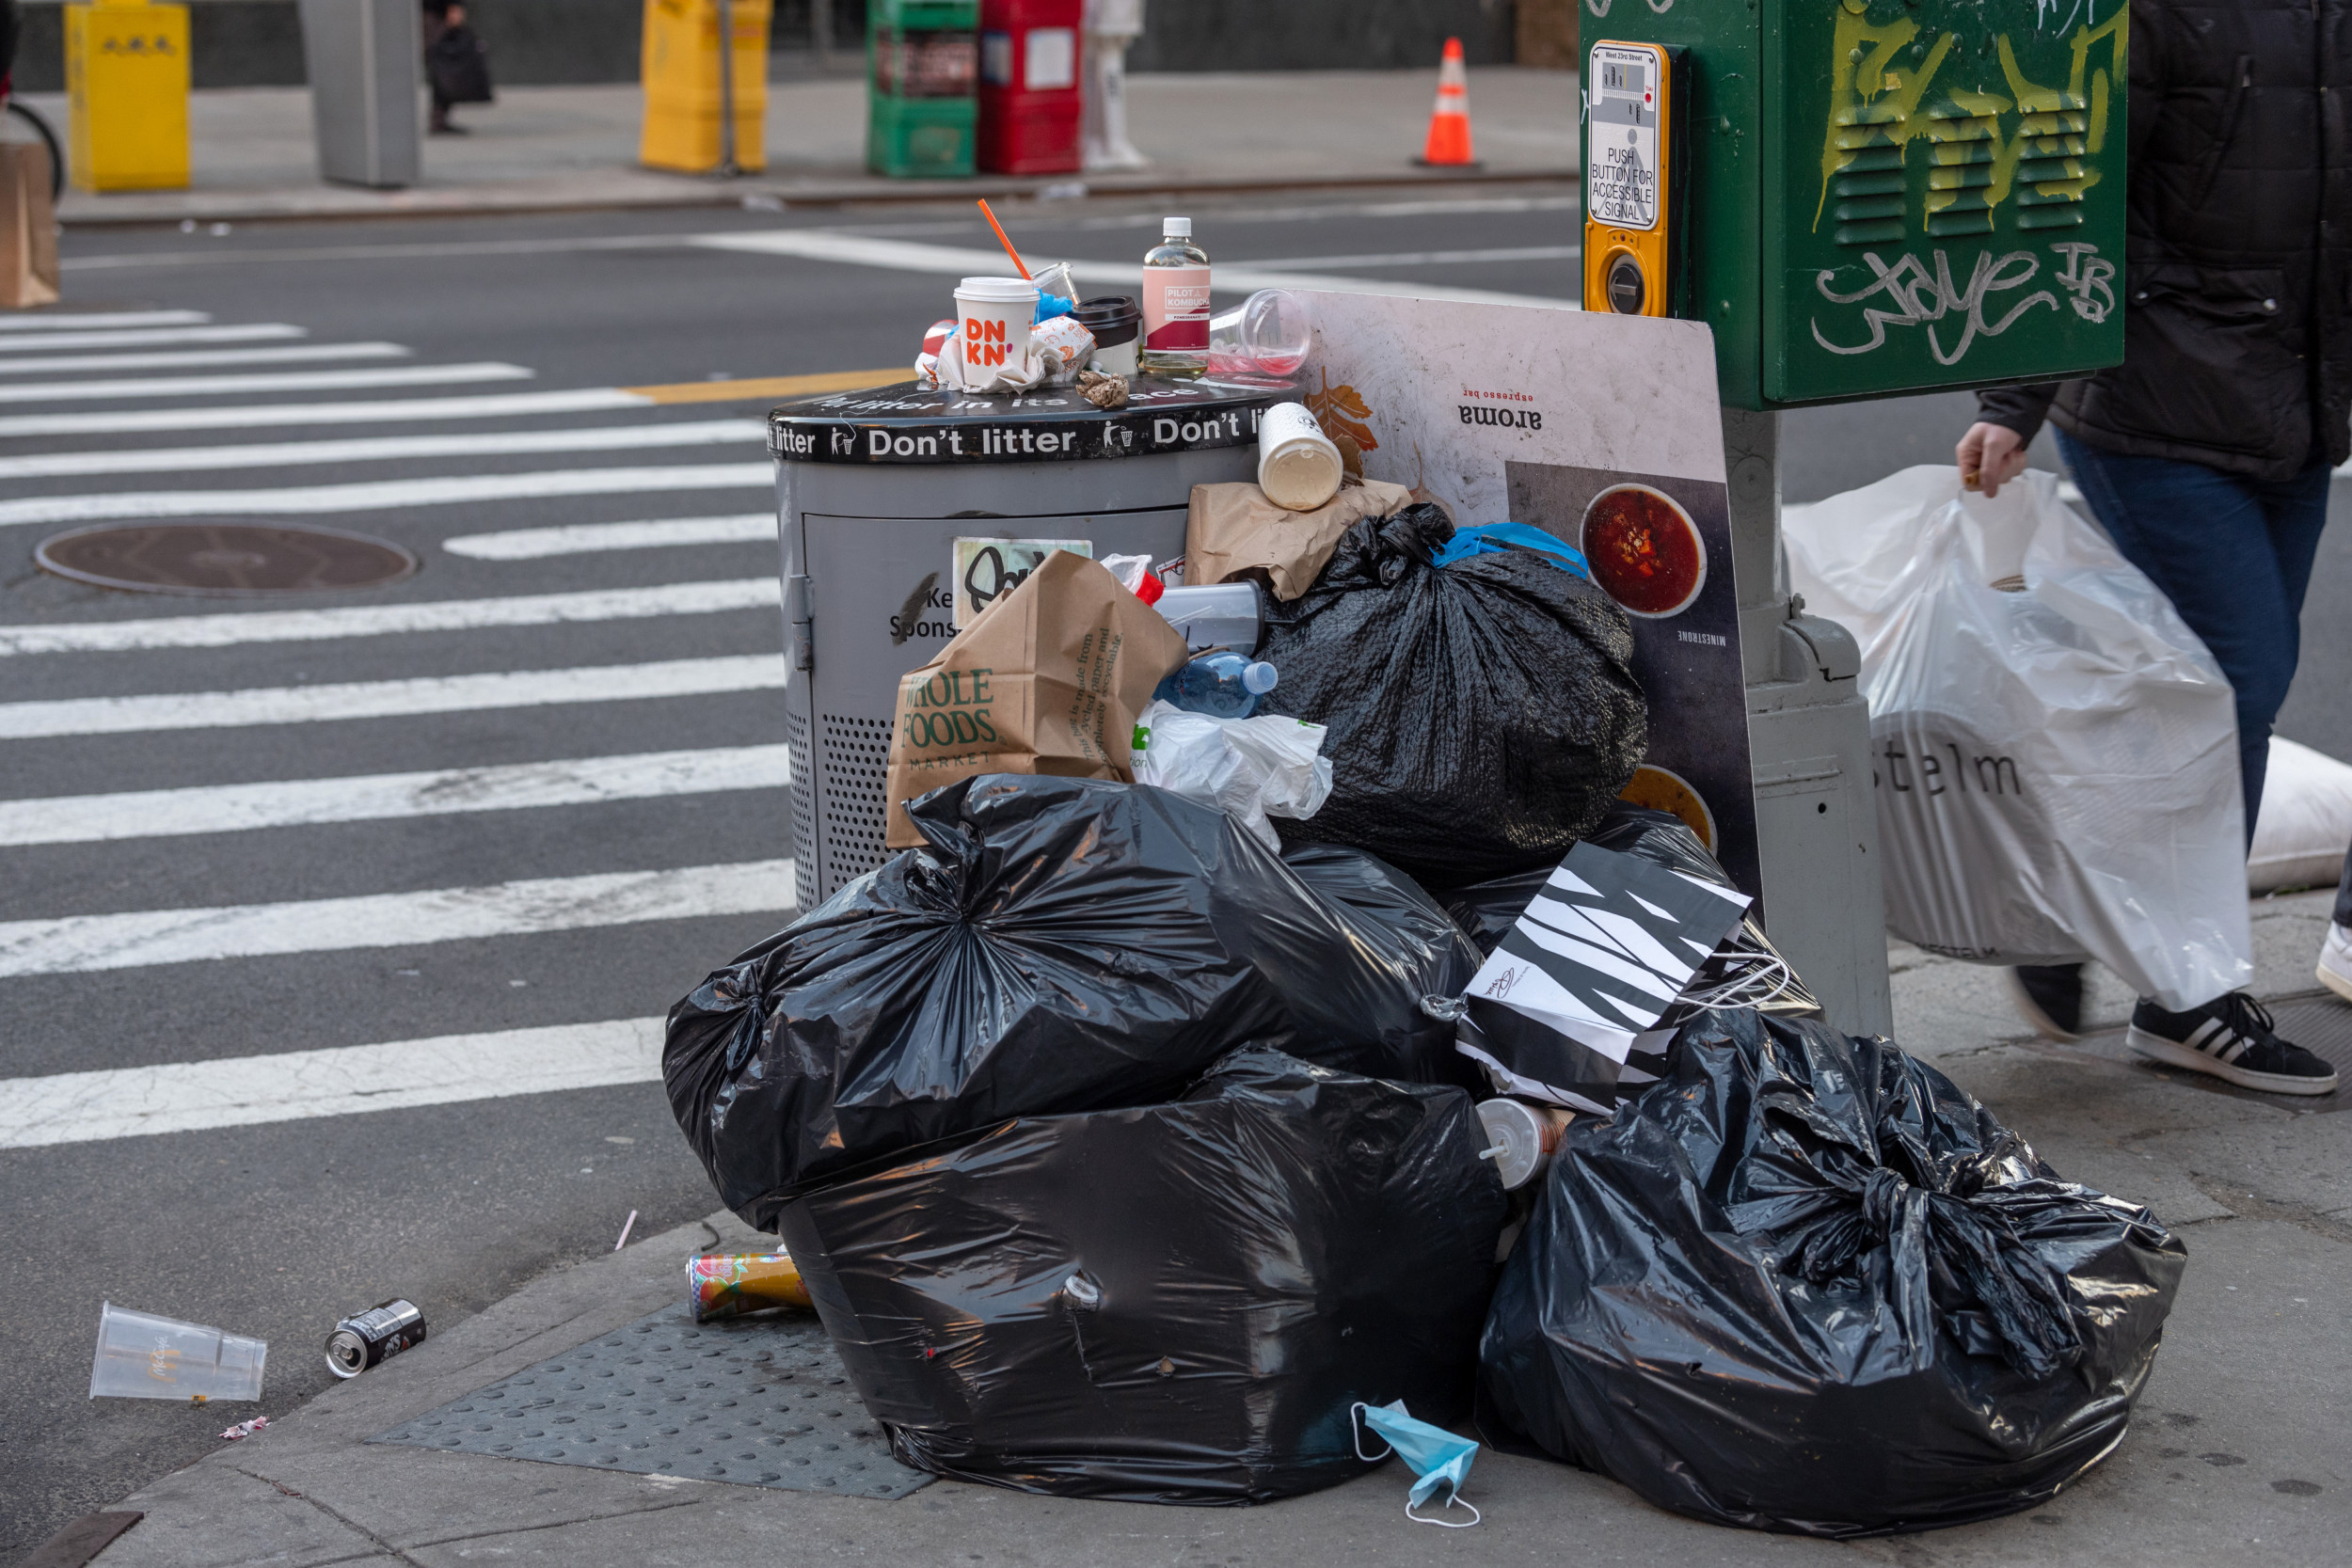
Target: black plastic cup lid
[[1112, 318]]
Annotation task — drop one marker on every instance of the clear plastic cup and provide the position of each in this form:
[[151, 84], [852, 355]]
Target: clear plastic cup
[[1269, 334], [142, 1356]]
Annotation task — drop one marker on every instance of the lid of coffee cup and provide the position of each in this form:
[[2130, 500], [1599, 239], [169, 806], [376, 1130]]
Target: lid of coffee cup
[[997, 291]]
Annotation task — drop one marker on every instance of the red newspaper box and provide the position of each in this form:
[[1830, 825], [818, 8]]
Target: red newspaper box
[[1030, 96]]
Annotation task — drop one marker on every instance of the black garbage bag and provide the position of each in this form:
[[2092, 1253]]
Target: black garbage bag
[[1175, 1303], [1405, 947], [1060, 944], [1747, 971], [1808, 1284], [1483, 715]]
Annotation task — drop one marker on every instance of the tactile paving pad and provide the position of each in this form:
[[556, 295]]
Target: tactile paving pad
[[760, 1402]]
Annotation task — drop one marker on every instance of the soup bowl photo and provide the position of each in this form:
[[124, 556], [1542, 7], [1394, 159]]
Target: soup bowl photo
[[1644, 550]]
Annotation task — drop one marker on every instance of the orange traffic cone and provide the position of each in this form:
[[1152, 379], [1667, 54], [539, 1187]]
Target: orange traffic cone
[[1448, 143]]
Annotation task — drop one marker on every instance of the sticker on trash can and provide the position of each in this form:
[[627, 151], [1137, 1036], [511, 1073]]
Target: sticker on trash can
[[905, 424], [988, 569]]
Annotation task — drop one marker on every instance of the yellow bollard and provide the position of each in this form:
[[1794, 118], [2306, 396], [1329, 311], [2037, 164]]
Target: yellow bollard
[[126, 77], [686, 116]]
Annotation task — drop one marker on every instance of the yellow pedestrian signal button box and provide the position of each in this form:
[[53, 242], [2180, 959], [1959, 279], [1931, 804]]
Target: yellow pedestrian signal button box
[[689, 104], [126, 77], [1629, 228]]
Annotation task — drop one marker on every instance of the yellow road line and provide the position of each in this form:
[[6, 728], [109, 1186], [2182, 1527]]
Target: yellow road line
[[771, 386]]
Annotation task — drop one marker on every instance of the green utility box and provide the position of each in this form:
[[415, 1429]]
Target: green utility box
[[922, 87], [1895, 195]]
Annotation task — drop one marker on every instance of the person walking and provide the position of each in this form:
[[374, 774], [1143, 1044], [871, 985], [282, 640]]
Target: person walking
[[456, 67], [2206, 454], [2335, 951]]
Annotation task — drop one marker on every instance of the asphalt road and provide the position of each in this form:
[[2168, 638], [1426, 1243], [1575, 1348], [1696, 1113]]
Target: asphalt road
[[276, 1228]]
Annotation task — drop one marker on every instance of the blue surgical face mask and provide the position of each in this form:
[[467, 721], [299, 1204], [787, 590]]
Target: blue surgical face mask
[[1439, 1459]]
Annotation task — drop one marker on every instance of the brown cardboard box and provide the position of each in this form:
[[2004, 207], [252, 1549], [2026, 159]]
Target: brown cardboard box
[[1050, 679], [1235, 531], [28, 228]]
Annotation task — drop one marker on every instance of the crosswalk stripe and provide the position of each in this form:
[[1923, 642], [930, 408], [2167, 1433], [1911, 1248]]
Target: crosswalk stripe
[[291, 381], [860, 250], [379, 448], [83, 943], [532, 543], [495, 405], [153, 338], [394, 698], [375, 798], [294, 353], [298, 1085], [299, 626], [385, 495], [103, 318]]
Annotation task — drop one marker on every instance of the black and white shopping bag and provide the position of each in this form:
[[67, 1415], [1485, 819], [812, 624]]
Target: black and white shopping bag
[[1564, 1000]]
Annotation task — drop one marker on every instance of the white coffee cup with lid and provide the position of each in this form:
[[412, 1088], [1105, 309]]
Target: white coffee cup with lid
[[992, 319], [1298, 468]]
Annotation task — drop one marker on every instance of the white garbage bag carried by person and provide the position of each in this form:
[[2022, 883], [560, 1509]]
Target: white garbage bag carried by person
[[2055, 752]]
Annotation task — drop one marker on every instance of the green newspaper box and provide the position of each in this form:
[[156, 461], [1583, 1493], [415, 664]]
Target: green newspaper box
[[1882, 196], [922, 87]]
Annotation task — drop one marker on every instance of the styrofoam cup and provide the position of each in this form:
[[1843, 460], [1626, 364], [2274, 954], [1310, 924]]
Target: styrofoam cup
[[993, 316], [1298, 468], [142, 1356]]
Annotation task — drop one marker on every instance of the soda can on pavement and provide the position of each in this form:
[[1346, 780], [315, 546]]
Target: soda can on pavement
[[378, 1334], [727, 1285]]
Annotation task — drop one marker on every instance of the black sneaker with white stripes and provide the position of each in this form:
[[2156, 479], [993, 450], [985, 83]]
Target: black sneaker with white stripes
[[2231, 1038]]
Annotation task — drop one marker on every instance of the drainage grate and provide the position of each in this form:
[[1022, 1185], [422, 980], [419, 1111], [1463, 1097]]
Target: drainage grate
[[223, 560], [760, 1402]]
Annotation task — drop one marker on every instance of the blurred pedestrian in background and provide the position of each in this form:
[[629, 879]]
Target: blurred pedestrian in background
[[456, 67], [2207, 454]]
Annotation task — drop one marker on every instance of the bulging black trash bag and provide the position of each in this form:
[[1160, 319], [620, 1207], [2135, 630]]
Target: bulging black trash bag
[[1175, 1304], [1807, 1284], [1060, 944], [1483, 715], [1405, 947]]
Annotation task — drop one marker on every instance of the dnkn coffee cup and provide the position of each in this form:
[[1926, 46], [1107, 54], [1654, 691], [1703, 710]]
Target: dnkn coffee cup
[[992, 319]]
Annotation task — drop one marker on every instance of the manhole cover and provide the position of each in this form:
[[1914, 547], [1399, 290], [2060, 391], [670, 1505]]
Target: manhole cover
[[229, 559]]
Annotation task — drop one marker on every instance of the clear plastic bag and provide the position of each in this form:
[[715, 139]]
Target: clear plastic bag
[[1248, 768], [2055, 752]]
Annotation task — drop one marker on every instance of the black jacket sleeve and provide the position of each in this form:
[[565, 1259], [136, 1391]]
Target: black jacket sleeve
[[2020, 408]]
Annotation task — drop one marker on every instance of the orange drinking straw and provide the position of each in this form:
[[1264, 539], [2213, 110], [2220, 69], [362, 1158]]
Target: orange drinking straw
[[1001, 239]]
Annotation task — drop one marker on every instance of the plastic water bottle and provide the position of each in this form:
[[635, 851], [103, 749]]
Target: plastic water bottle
[[1222, 686]]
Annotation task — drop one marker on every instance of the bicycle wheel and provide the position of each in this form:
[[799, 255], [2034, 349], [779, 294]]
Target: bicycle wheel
[[56, 153]]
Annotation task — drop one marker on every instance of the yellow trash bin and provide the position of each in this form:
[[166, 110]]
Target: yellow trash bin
[[684, 95], [126, 77]]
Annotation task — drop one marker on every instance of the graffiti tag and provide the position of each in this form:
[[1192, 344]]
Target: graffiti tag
[[2087, 275], [1923, 299]]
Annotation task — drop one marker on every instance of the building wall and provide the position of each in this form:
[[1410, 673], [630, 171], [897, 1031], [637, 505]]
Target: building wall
[[240, 43]]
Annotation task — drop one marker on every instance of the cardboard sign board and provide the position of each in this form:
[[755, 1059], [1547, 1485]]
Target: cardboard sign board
[[985, 570], [1605, 430]]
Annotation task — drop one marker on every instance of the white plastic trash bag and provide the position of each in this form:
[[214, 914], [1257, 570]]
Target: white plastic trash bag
[[2305, 825], [1251, 768], [2055, 752]]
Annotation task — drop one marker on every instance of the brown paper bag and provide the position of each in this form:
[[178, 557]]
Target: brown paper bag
[[28, 228], [1235, 531], [1050, 679]]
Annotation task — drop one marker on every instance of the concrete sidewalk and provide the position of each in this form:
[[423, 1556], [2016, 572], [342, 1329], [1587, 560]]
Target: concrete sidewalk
[[2239, 1453], [541, 149]]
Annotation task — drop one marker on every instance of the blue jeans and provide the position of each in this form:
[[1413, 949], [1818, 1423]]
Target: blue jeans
[[2234, 557]]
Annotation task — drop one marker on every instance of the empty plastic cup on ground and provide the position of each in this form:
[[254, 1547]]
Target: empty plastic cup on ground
[[142, 1356], [1298, 467]]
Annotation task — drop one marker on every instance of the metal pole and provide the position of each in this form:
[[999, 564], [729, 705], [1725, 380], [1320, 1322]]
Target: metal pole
[[728, 167]]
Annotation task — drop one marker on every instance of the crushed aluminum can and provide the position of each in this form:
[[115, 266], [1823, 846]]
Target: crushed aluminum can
[[378, 1334]]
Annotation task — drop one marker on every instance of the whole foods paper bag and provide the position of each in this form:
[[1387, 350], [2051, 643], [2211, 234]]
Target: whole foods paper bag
[[1233, 531], [1050, 679], [28, 228]]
